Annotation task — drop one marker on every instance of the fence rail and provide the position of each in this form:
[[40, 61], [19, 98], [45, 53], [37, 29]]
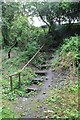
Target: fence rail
[[19, 72]]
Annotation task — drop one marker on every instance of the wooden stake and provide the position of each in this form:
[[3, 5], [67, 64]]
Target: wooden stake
[[11, 82]]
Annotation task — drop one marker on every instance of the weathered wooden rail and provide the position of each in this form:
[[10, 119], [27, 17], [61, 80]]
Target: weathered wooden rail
[[19, 72]]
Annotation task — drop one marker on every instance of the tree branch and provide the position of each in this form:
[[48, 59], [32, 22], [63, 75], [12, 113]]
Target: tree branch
[[42, 17]]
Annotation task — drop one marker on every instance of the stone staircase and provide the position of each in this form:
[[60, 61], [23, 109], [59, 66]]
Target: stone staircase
[[41, 75]]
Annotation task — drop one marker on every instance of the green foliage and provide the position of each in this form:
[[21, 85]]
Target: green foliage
[[52, 99], [10, 66], [26, 75], [68, 53], [20, 31], [62, 101], [71, 9], [16, 28], [0, 113], [25, 82], [0, 40], [26, 35], [40, 58], [31, 48], [70, 45], [9, 13], [17, 31], [7, 113], [11, 96], [74, 88], [66, 60]]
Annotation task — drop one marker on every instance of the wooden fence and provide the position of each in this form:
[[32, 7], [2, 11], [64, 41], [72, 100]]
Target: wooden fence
[[19, 72]]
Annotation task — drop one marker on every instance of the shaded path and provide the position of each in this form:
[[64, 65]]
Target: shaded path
[[32, 107]]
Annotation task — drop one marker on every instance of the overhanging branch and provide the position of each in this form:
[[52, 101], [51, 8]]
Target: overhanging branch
[[41, 17]]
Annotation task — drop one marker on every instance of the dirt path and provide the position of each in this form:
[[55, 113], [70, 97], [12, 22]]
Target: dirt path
[[27, 104], [33, 107]]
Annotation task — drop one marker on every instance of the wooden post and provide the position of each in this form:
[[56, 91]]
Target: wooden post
[[19, 81], [11, 82]]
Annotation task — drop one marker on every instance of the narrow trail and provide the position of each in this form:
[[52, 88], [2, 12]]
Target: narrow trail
[[32, 107]]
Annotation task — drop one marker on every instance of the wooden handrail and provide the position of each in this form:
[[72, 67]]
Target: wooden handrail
[[27, 63], [18, 73], [32, 58]]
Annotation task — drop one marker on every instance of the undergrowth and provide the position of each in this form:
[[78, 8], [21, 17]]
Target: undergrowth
[[68, 54], [7, 113], [22, 91], [9, 66], [66, 100], [63, 103]]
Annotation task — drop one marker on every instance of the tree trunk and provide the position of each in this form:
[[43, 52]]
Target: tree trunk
[[9, 56], [9, 52], [59, 21]]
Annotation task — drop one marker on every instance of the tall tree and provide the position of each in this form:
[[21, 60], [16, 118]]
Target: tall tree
[[9, 13]]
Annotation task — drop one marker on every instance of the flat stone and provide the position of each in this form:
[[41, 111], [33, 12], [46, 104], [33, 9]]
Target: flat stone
[[37, 79], [44, 92], [41, 72], [45, 65], [32, 88]]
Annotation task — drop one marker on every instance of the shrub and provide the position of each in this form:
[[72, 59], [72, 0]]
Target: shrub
[[68, 53]]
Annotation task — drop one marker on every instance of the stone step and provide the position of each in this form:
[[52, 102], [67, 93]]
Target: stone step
[[51, 57], [32, 88], [45, 65], [47, 61], [37, 79], [42, 72], [50, 50]]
